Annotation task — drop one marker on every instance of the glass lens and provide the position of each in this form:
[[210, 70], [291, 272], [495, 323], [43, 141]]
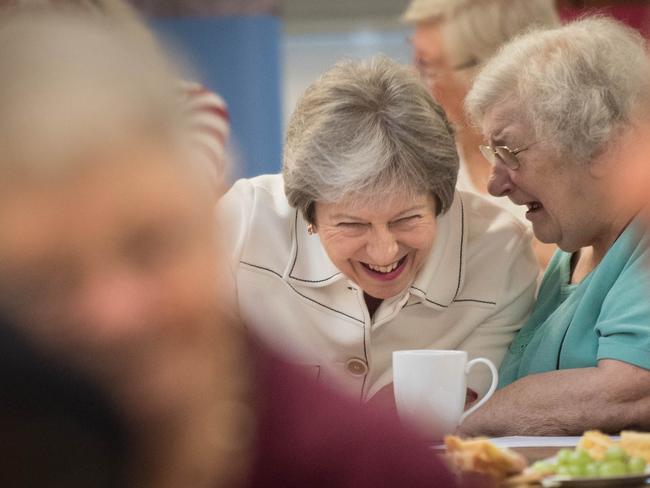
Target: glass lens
[[427, 73], [509, 159], [487, 153]]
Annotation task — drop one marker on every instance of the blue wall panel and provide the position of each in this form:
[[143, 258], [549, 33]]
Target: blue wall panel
[[239, 57]]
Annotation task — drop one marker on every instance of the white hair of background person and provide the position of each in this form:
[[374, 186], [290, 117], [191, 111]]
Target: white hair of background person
[[367, 127], [579, 85], [91, 98], [474, 30]]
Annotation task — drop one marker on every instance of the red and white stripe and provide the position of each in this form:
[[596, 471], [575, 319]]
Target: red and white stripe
[[209, 125]]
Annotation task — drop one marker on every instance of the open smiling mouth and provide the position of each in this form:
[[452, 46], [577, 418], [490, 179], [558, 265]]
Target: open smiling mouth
[[386, 273]]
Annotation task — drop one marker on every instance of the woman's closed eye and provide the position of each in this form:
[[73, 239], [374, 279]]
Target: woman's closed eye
[[411, 219], [351, 225], [352, 229]]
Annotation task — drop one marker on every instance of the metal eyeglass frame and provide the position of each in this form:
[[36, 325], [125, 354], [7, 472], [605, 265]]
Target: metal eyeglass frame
[[506, 155]]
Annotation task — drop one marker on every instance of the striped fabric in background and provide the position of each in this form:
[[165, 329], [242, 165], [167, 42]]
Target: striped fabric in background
[[209, 126]]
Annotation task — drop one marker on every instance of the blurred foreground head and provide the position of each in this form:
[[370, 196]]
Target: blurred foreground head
[[107, 252], [108, 259]]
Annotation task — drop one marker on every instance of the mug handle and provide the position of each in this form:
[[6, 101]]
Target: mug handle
[[490, 392]]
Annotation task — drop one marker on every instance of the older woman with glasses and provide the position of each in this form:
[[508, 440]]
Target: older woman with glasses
[[565, 114], [363, 247], [451, 40]]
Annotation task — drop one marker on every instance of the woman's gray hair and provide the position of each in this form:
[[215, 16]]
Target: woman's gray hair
[[73, 82], [366, 128], [474, 30], [579, 85]]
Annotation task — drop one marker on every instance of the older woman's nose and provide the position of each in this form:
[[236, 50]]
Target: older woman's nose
[[382, 247], [500, 184]]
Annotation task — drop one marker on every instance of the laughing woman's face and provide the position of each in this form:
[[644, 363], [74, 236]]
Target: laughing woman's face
[[382, 244]]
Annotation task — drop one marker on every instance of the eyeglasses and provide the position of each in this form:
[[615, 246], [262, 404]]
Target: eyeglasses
[[504, 154], [430, 73]]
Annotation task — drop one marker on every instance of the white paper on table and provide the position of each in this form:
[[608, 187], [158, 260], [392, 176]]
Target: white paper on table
[[539, 441]]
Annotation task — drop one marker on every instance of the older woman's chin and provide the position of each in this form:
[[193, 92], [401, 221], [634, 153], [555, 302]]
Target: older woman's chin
[[546, 237]]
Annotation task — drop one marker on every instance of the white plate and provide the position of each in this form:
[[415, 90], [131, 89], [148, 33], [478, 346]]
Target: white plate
[[567, 482]]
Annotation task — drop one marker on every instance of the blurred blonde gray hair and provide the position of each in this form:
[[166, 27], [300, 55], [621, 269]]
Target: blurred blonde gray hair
[[118, 11], [579, 85], [474, 30], [73, 83], [366, 128]]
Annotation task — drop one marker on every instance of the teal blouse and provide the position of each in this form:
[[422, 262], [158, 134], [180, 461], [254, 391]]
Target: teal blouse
[[605, 316]]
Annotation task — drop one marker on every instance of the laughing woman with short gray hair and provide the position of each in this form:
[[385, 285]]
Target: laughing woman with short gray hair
[[362, 246]]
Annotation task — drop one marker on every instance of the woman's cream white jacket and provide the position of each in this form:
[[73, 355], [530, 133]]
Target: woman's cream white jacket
[[473, 292]]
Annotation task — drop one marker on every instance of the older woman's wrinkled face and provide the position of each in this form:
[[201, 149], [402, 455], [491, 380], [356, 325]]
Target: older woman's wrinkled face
[[113, 268], [380, 245], [563, 199]]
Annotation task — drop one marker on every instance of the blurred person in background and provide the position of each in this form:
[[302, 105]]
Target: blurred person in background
[[362, 246], [110, 267], [206, 112], [451, 40], [566, 114]]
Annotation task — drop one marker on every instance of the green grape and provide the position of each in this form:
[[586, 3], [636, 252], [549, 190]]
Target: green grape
[[544, 467], [592, 470], [563, 470], [616, 453], [636, 465], [580, 457], [576, 470], [564, 456], [613, 468]]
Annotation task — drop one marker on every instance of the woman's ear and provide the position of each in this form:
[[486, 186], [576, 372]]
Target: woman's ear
[[601, 166], [616, 151]]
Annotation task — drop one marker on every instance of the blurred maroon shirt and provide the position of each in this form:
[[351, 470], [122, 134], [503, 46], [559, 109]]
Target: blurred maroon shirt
[[311, 437]]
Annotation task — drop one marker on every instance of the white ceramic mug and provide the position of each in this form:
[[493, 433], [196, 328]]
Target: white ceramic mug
[[430, 388]]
